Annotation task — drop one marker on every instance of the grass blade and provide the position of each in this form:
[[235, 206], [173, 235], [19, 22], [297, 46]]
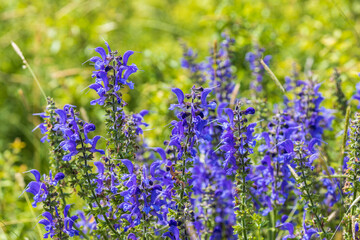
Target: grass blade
[[272, 75], [20, 54], [21, 183]]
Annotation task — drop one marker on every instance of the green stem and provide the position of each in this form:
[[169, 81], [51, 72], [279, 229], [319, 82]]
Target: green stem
[[81, 233], [93, 193], [185, 156], [243, 174], [243, 198], [145, 230], [310, 199]]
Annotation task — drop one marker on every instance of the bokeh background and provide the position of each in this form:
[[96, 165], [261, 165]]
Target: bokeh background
[[57, 37]]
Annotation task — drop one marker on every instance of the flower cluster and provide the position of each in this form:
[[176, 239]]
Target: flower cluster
[[232, 168], [39, 188], [106, 63], [44, 190]]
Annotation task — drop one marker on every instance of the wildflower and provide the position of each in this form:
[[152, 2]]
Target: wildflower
[[39, 188], [69, 222]]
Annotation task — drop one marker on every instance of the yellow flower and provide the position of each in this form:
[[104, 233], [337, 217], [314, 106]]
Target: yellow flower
[[17, 145]]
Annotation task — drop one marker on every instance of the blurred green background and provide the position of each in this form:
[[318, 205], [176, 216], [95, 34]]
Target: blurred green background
[[57, 37]]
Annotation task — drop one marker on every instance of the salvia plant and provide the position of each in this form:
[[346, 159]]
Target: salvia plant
[[231, 168]]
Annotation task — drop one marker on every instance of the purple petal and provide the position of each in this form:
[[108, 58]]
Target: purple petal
[[130, 70], [289, 227], [36, 174], [95, 59], [66, 210], [126, 56], [102, 52], [100, 167], [48, 216], [250, 110], [221, 107], [44, 222], [89, 127], [143, 112], [132, 236], [153, 168], [312, 143], [59, 176], [104, 78], [129, 165], [230, 113], [33, 187], [204, 95], [93, 145], [287, 145], [62, 115], [161, 152], [95, 86], [179, 94], [108, 47]]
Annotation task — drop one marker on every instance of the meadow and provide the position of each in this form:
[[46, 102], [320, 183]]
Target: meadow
[[214, 119]]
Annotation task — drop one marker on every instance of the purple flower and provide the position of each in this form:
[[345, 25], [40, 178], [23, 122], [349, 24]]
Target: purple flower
[[180, 97], [49, 224], [69, 222], [308, 230], [132, 236], [69, 145], [87, 224], [288, 227], [93, 143], [121, 71], [250, 111], [173, 232], [37, 188]]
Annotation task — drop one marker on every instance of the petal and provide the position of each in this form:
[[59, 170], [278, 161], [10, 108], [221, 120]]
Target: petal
[[230, 113], [48, 216], [204, 95], [62, 115], [89, 127], [66, 210], [59, 176], [95, 86], [130, 70], [179, 94], [312, 144], [143, 112], [250, 110], [95, 59], [287, 145], [221, 107], [36, 174], [132, 236], [44, 222], [126, 56], [104, 78], [289, 227], [161, 152], [93, 145], [100, 167], [129, 165], [67, 107], [33, 187], [108, 47], [102, 52]]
